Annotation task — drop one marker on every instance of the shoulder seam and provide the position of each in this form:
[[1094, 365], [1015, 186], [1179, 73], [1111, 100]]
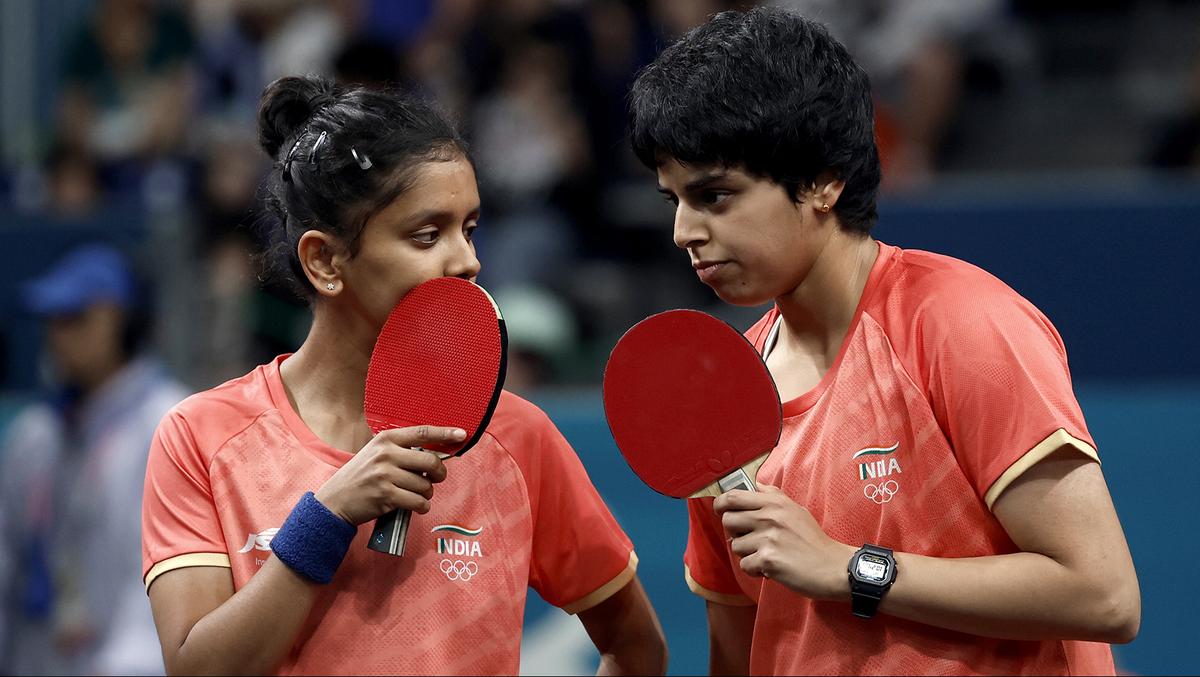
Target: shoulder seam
[[899, 358], [225, 443], [520, 470]]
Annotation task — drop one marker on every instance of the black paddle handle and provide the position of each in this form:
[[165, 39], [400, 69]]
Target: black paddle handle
[[391, 532]]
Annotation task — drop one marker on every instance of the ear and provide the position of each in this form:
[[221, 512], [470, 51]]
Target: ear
[[826, 190], [321, 256]]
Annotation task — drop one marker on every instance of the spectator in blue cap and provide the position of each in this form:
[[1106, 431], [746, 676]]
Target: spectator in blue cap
[[94, 324], [71, 476]]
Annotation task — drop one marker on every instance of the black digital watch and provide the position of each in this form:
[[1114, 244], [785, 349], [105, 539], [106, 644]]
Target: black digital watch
[[872, 571]]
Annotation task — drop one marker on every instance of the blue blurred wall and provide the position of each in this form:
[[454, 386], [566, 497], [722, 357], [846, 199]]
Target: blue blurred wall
[[1148, 441]]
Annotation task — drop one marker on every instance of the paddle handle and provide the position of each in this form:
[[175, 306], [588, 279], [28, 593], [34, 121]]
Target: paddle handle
[[391, 532], [741, 478], [738, 479]]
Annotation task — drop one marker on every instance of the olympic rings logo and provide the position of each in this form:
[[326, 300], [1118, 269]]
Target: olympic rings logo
[[459, 570], [883, 493]]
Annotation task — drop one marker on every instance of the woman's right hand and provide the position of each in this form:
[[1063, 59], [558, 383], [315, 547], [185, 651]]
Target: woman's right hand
[[388, 474]]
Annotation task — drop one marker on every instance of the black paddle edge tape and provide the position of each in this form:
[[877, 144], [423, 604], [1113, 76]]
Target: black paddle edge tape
[[491, 409], [741, 335]]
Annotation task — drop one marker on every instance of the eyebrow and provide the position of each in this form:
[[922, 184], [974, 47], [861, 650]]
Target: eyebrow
[[699, 182], [435, 216]]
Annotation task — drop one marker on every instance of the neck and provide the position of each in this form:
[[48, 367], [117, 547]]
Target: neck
[[99, 376], [326, 378], [817, 314]]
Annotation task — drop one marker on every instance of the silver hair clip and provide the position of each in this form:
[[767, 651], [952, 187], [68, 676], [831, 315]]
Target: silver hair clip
[[312, 155], [287, 161], [363, 161]]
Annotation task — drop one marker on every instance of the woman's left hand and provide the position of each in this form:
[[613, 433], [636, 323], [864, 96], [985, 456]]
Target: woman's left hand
[[780, 540]]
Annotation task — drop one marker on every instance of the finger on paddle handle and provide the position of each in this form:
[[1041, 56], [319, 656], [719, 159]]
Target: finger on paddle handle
[[390, 532]]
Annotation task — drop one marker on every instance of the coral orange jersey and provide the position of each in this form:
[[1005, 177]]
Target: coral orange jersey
[[947, 387], [516, 511]]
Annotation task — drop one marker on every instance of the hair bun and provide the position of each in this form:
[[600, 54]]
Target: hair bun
[[286, 105]]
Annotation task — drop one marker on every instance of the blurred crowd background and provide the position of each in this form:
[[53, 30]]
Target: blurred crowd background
[[1055, 142]]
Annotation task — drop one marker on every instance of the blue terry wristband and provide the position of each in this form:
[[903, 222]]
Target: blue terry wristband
[[313, 540]]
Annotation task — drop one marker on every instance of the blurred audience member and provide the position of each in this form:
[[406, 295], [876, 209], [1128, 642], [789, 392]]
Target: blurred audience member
[[127, 85], [541, 334], [368, 63], [244, 44], [914, 53], [67, 186], [532, 151], [73, 180], [1176, 142], [675, 18], [240, 324], [230, 177], [73, 472]]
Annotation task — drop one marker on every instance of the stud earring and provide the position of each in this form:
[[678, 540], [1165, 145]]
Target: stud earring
[[330, 286], [825, 207]]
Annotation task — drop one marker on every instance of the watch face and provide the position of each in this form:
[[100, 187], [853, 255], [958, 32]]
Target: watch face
[[871, 568]]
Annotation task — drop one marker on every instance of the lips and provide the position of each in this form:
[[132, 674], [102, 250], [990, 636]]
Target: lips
[[707, 270]]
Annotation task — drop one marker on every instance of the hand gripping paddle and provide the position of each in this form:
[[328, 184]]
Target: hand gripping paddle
[[438, 361], [691, 404]]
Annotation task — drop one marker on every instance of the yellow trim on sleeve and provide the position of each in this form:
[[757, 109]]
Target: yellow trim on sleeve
[[607, 590], [712, 595], [191, 559], [1057, 440]]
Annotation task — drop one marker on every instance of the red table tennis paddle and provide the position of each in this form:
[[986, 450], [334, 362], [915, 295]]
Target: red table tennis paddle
[[439, 360], [691, 404]]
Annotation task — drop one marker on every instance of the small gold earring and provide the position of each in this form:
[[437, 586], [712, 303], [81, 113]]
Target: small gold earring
[[825, 207]]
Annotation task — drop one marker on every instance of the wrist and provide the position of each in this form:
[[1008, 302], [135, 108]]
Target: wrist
[[871, 572], [330, 501], [837, 586], [313, 540]]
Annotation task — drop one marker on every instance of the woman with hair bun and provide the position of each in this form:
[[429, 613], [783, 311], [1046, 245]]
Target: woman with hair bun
[[260, 493]]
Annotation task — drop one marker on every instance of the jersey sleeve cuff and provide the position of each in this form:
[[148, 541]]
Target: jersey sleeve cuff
[[714, 596], [607, 590], [1057, 440], [191, 559]]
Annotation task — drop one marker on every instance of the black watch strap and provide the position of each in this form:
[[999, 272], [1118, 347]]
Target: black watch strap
[[864, 604]]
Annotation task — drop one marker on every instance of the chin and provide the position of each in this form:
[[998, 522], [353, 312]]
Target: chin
[[747, 298]]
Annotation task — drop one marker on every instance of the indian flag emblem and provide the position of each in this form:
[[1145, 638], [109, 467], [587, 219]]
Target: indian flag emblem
[[451, 542], [875, 451], [869, 468], [456, 529]]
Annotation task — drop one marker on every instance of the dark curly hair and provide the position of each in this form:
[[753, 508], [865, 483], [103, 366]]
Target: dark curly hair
[[767, 90], [341, 155]]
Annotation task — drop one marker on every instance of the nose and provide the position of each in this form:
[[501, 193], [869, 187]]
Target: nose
[[689, 229], [463, 262]]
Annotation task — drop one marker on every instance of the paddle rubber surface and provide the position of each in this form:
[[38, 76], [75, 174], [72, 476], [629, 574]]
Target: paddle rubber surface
[[439, 360], [689, 400]]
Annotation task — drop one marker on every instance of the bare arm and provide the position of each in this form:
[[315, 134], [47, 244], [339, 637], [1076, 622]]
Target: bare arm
[[730, 630], [627, 633], [207, 628], [1074, 579]]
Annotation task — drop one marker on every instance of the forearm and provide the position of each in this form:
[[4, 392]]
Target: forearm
[[252, 631], [1023, 596], [730, 636], [627, 633], [634, 656]]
